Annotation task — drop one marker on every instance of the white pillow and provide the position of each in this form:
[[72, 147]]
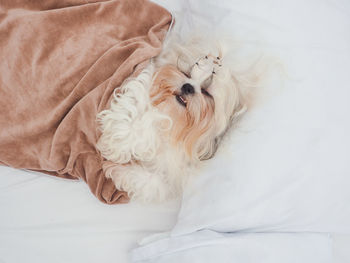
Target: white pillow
[[286, 167]]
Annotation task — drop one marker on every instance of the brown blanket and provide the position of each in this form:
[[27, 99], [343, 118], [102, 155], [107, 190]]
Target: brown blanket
[[60, 61]]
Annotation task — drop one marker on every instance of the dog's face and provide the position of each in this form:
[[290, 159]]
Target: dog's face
[[200, 98]]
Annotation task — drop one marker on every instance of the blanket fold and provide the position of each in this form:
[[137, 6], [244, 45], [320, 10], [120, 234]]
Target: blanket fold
[[60, 62]]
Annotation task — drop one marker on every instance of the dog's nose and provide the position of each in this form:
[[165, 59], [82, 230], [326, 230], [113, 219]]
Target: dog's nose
[[187, 88]]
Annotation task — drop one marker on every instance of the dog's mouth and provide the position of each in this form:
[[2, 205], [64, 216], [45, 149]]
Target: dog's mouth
[[181, 100]]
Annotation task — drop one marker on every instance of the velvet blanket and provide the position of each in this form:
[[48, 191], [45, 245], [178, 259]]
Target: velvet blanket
[[60, 62]]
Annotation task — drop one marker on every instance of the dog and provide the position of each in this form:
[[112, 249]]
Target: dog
[[163, 123]]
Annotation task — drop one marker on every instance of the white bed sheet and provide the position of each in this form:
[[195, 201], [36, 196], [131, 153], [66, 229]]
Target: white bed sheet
[[341, 248], [47, 219], [210, 246]]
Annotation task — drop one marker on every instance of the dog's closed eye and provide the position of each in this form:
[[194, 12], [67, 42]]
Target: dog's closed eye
[[206, 93], [186, 74]]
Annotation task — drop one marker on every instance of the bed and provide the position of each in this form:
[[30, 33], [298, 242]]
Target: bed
[[49, 219]]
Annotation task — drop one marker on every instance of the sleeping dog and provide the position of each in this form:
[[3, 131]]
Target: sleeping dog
[[163, 123]]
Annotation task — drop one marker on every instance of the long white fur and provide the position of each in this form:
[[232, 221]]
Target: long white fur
[[130, 127], [146, 166], [144, 163]]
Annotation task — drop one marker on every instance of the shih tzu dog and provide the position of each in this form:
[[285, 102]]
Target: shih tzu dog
[[168, 119]]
